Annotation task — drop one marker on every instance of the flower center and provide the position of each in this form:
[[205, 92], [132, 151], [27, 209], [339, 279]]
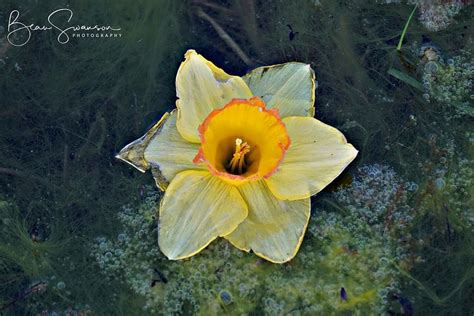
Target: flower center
[[237, 164], [242, 141]]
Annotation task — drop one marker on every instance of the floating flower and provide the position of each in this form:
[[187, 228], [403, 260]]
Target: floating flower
[[239, 158]]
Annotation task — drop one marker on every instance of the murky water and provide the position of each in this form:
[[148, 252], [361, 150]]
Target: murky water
[[392, 235]]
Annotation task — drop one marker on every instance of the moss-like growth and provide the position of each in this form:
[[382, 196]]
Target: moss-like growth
[[346, 262], [442, 279], [452, 82]]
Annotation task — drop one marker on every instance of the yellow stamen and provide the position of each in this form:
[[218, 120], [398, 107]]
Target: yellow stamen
[[238, 159]]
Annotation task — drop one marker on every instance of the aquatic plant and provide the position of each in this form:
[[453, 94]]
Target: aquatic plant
[[447, 194], [231, 167], [444, 225], [405, 28], [379, 197], [57, 145], [352, 244], [435, 15], [452, 82], [29, 260], [25, 251]]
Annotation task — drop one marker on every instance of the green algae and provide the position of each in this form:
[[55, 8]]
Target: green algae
[[356, 252], [63, 116], [311, 283], [452, 83]]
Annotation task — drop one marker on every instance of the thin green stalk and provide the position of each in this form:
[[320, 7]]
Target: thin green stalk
[[399, 46]]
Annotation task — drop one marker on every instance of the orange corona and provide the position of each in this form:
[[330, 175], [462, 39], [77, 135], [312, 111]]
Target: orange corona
[[243, 141]]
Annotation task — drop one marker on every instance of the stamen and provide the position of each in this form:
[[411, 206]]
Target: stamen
[[238, 160]]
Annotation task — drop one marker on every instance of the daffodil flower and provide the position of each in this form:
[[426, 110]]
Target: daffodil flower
[[240, 159]]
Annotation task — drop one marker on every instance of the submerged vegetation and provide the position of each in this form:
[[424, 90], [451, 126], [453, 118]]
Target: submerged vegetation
[[452, 82], [394, 233], [335, 258]]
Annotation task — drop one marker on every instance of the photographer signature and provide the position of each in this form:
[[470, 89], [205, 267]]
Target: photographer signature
[[19, 34]]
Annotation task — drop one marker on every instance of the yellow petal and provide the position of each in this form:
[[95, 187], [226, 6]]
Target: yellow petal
[[196, 209], [134, 153], [202, 87], [288, 87], [163, 150], [170, 153], [274, 229], [317, 155]]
